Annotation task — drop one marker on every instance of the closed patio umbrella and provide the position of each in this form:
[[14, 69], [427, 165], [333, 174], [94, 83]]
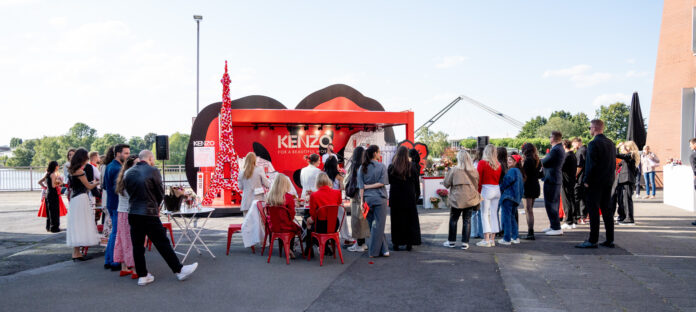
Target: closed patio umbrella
[[636, 128]]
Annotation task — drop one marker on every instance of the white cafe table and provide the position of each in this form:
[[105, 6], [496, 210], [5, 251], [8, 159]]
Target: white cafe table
[[189, 229]]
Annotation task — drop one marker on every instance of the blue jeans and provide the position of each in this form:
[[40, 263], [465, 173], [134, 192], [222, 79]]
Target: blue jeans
[[510, 229], [476, 224], [109, 252], [649, 182]]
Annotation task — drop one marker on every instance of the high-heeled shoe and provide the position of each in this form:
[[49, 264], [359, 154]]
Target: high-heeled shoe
[[125, 273]]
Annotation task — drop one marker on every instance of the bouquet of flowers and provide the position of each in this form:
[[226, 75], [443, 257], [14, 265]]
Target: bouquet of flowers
[[435, 201], [442, 193]]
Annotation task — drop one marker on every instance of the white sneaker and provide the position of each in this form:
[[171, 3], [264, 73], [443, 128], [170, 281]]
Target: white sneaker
[[448, 244], [554, 232], [504, 242], [186, 271], [545, 230], [565, 226], [515, 241], [483, 243], [146, 280], [356, 248], [572, 226], [465, 246]]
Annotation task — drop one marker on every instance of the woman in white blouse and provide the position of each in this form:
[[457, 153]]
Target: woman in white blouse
[[252, 182]]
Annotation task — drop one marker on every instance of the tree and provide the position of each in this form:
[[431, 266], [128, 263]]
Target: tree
[[15, 142], [3, 160], [137, 144], [79, 135], [46, 150], [21, 156], [149, 139], [565, 126], [562, 114], [582, 124], [102, 144], [615, 119], [436, 141], [529, 130]]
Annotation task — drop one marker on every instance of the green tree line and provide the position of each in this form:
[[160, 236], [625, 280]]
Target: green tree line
[[39, 152], [538, 129]]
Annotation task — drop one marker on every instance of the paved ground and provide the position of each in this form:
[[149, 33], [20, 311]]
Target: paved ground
[[653, 268]]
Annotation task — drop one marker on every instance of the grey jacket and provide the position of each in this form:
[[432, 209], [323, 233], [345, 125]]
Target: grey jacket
[[247, 186], [463, 187]]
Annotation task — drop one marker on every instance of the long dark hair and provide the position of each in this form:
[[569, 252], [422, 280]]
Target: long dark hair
[[130, 162], [356, 160], [502, 159], [78, 160], [529, 152], [518, 165], [51, 168], [110, 155], [369, 155], [331, 168], [415, 158], [400, 165]]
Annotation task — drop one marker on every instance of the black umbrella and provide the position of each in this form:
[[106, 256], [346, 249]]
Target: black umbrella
[[636, 127]]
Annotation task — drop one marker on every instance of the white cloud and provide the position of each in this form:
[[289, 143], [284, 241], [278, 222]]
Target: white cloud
[[606, 99], [450, 61], [579, 75], [58, 21], [636, 74]]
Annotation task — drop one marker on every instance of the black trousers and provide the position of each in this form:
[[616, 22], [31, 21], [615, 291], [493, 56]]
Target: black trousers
[[624, 200], [569, 205], [52, 214], [466, 224], [599, 198], [552, 193], [580, 203], [152, 227]]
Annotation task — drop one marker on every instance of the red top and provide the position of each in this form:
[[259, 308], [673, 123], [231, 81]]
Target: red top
[[282, 216], [324, 196], [487, 175]]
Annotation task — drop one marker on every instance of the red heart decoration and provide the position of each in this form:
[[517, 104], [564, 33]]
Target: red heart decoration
[[421, 148]]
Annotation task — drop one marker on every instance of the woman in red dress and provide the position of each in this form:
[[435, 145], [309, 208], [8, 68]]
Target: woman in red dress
[[281, 208], [52, 207]]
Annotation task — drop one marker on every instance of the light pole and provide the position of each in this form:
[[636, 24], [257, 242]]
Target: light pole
[[198, 19]]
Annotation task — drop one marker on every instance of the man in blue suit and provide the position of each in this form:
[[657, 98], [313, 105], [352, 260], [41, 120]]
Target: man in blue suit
[[553, 179]]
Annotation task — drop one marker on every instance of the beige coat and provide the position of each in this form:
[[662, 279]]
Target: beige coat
[[463, 186]]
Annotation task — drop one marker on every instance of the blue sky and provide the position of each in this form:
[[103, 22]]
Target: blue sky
[[128, 67]]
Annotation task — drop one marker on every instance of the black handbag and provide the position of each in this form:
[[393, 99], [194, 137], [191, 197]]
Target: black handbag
[[351, 189]]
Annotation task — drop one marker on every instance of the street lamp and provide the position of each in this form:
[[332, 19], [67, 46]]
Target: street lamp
[[198, 19]]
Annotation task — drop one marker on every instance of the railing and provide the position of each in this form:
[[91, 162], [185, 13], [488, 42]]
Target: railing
[[26, 178]]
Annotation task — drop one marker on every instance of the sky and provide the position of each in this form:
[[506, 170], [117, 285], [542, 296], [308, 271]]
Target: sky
[[129, 67]]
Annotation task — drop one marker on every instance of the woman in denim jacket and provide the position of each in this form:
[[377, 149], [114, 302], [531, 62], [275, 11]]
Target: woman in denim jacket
[[511, 189]]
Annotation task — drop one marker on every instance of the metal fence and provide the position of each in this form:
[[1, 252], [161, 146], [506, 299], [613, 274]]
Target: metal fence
[[16, 179]]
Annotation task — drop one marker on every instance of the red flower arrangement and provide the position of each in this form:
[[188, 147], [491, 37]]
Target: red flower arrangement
[[442, 192]]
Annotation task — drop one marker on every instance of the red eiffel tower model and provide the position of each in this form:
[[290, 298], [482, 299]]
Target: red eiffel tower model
[[226, 158]]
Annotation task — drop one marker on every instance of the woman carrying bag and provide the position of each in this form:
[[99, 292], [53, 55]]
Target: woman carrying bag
[[462, 182]]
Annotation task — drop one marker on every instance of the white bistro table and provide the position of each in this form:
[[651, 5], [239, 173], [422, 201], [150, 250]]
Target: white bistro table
[[187, 223]]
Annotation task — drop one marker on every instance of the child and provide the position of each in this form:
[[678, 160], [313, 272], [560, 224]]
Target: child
[[511, 189]]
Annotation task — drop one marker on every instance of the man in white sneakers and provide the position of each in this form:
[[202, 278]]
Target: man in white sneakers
[[144, 185]]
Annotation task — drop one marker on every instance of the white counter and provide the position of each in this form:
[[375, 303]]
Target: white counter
[[430, 187], [679, 187]]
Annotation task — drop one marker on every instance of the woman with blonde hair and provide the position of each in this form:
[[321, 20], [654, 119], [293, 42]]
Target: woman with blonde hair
[[489, 171], [325, 195], [464, 197], [281, 208], [252, 182], [630, 159], [649, 162]]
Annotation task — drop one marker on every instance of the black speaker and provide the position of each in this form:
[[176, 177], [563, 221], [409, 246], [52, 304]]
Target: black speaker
[[162, 147], [481, 142]]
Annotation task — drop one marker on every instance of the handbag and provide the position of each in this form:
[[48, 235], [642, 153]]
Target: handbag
[[351, 190]]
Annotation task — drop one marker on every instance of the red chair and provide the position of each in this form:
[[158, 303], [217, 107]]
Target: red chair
[[276, 213], [263, 215], [323, 239], [168, 226], [234, 228]]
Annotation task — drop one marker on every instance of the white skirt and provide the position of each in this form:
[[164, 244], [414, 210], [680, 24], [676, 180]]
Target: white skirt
[[82, 231]]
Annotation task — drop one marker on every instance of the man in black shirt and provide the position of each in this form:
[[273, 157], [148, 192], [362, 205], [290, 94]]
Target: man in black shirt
[[598, 180], [692, 159], [580, 154], [570, 164]]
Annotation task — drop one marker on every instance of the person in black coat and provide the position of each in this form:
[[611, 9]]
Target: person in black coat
[[403, 180], [581, 155], [598, 179], [531, 166], [569, 170], [553, 180], [626, 180]]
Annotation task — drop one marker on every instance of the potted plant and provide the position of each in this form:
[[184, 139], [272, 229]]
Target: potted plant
[[435, 201], [443, 193], [441, 170]]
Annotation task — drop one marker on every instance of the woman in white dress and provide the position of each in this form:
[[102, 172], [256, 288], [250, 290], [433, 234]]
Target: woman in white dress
[[252, 183], [82, 231]]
